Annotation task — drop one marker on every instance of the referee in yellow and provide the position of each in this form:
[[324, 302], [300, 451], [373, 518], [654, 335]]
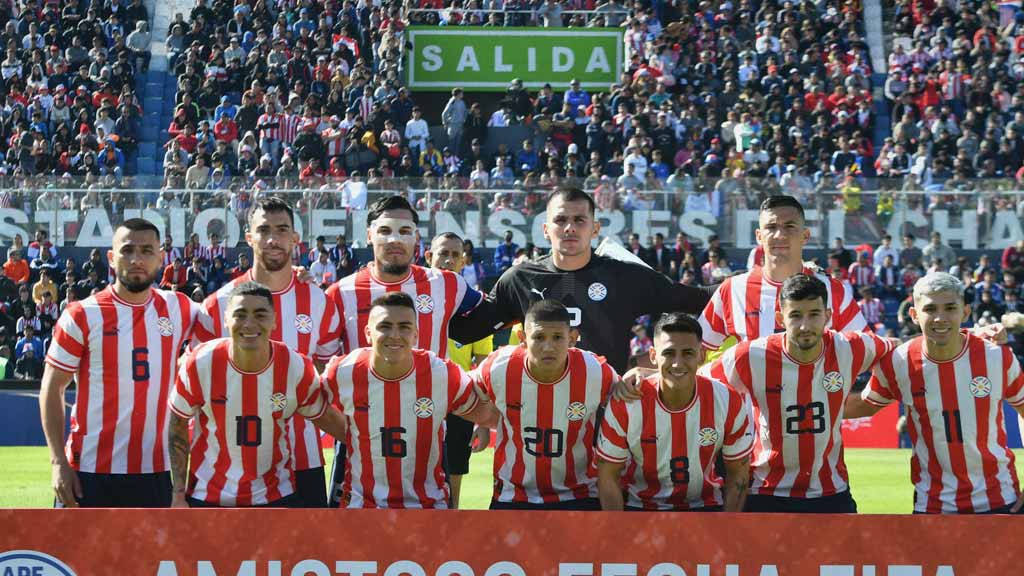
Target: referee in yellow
[[446, 254]]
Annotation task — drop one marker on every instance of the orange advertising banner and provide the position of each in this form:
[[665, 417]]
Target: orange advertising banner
[[481, 543]]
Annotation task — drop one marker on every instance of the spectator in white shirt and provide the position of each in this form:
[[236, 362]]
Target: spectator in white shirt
[[886, 249], [638, 161], [417, 132], [323, 269]]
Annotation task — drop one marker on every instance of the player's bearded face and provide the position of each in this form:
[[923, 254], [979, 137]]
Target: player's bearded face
[[547, 345], [939, 315], [805, 322], [392, 331], [272, 238], [677, 356], [136, 258], [393, 239]]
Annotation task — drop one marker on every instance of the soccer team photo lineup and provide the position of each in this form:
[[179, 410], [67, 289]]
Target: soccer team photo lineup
[[615, 386]]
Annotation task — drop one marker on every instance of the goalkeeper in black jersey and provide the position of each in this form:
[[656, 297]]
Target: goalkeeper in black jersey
[[604, 296]]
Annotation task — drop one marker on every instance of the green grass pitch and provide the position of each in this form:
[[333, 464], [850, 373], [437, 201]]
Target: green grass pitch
[[880, 479]]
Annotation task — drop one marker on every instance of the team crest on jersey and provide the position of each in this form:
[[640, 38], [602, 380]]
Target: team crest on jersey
[[597, 292], [423, 407], [832, 382], [981, 387], [707, 436], [303, 323], [165, 326], [424, 304], [278, 401], [576, 411]]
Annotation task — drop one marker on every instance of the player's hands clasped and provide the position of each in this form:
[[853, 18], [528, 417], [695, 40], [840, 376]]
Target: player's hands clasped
[[66, 485]]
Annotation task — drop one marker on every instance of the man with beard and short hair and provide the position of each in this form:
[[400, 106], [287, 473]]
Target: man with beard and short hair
[[121, 346], [439, 295], [306, 321]]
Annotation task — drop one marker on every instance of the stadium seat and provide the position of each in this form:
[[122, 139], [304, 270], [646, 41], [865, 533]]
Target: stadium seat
[[146, 165]]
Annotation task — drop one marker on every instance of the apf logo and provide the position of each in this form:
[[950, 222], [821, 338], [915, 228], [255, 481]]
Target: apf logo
[[32, 563]]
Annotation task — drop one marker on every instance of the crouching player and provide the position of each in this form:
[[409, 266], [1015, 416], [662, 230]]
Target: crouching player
[[548, 394], [242, 390], [668, 441]]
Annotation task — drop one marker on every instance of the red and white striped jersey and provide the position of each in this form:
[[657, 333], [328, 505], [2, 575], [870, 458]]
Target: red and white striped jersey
[[170, 255], [271, 133], [861, 275], [545, 440], [208, 253], [307, 323], [671, 453], [438, 295], [124, 357], [961, 462], [744, 306], [395, 431], [798, 451], [873, 310], [240, 448], [290, 127]]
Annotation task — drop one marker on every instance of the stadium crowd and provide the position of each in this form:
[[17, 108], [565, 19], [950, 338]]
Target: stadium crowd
[[67, 83]]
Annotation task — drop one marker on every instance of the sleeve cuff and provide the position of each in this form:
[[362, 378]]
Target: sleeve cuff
[[879, 403], [741, 455], [605, 456], [60, 365], [469, 406], [179, 412]]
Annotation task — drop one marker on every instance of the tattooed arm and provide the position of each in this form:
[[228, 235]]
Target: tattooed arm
[[737, 483], [178, 440]]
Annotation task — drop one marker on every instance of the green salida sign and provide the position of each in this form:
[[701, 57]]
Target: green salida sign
[[487, 59]]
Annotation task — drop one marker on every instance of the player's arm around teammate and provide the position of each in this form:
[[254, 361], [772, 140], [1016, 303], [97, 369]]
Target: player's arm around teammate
[[673, 435]]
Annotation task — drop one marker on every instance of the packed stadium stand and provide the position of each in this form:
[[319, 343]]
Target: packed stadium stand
[[720, 103]]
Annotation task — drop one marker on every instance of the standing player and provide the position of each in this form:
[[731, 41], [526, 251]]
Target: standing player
[[438, 295], [745, 306], [548, 394], [121, 347], [798, 381], [952, 384], [305, 320], [673, 435], [395, 399], [446, 254], [604, 296], [243, 391]]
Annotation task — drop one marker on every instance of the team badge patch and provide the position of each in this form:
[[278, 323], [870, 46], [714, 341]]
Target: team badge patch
[[165, 326], [423, 407], [424, 304], [832, 382], [707, 436], [278, 401], [303, 324], [981, 387], [597, 292], [576, 411]]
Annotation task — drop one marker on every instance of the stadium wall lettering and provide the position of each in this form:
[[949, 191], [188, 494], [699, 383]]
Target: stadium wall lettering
[[94, 228], [480, 543]]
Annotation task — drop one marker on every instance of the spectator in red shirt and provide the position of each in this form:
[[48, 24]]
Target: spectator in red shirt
[[16, 268], [225, 130], [188, 140], [175, 276], [1013, 260]]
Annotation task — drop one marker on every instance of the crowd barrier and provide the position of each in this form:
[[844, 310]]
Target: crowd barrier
[[482, 543]]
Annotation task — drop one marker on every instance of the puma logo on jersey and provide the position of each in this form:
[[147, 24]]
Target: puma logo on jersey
[[649, 440], [516, 407], [539, 292], [774, 389], [220, 400], [362, 407], [113, 332]]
